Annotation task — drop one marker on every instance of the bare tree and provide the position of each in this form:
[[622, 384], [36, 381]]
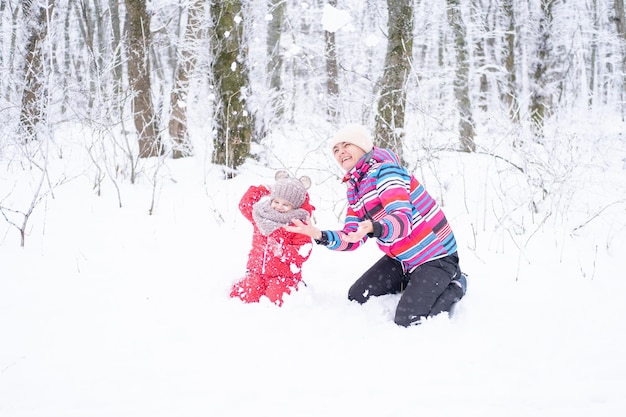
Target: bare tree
[[392, 99], [8, 62], [116, 48], [593, 59], [620, 19], [461, 85], [541, 100], [139, 40], [234, 123], [620, 22], [332, 71], [89, 23], [275, 57], [510, 90], [36, 18], [180, 93], [19, 218]]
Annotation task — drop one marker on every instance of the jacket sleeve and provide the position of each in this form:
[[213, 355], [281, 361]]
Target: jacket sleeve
[[396, 218], [297, 249], [334, 239], [250, 198], [297, 246]]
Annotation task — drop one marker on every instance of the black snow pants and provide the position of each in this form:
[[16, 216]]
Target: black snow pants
[[426, 291]]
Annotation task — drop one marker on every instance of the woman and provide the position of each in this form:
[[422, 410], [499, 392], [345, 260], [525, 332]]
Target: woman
[[387, 203]]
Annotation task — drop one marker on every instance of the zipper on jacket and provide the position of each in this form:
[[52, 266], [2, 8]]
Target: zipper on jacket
[[264, 258]]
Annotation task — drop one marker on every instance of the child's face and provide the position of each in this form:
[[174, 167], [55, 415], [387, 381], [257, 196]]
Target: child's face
[[281, 205]]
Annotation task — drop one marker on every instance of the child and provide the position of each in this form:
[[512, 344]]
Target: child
[[276, 257]]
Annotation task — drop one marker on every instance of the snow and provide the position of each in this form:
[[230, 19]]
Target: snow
[[109, 311], [334, 19]]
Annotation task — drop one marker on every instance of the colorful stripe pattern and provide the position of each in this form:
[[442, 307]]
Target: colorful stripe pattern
[[414, 228]]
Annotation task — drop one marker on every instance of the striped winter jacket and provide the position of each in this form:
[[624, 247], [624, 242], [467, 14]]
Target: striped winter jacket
[[408, 223]]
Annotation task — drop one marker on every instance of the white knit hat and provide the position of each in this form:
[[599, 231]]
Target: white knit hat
[[355, 134]]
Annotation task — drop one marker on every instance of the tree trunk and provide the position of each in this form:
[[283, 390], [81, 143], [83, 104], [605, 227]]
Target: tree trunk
[[87, 25], [539, 100], [392, 101], [180, 93], [139, 41], [510, 89], [332, 72], [33, 95], [234, 124], [461, 85], [620, 22], [118, 70], [275, 56], [483, 44], [8, 83], [620, 19], [593, 54]]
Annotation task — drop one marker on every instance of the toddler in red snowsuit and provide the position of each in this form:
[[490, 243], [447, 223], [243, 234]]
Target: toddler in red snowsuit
[[276, 257]]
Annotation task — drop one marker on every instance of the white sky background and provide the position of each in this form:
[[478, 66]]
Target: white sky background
[[108, 311]]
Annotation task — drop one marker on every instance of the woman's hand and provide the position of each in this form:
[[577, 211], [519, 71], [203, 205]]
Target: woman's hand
[[364, 228], [304, 228]]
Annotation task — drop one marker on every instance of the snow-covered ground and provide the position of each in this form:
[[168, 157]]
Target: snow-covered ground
[[111, 312]]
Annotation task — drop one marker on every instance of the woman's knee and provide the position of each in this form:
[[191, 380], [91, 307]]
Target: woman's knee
[[373, 285], [358, 293], [384, 277], [406, 318]]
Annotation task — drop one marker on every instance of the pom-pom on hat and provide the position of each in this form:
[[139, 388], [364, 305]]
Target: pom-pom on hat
[[355, 134], [290, 188]]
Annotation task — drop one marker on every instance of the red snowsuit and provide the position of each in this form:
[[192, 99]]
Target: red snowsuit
[[275, 261]]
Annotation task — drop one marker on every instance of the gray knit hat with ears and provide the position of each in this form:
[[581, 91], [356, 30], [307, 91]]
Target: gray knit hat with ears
[[290, 189]]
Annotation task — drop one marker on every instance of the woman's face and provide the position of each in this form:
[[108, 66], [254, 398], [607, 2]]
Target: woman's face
[[347, 154]]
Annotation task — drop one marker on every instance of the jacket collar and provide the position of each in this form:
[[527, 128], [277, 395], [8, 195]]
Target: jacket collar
[[367, 161], [361, 168]]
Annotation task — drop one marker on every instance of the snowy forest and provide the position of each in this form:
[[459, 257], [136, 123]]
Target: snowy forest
[[134, 74], [115, 92], [134, 80], [130, 129]]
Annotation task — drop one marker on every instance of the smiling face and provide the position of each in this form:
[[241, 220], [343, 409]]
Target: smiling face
[[347, 154], [281, 205]]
